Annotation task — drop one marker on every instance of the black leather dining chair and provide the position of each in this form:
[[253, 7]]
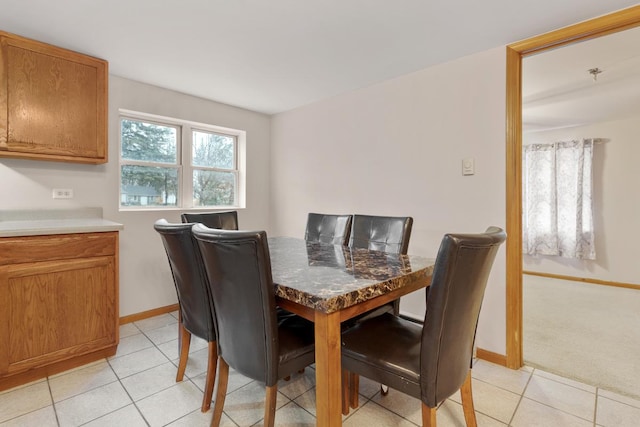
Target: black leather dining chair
[[195, 313], [251, 338], [227, 220], [433, 361], [382, 233], [330, 229]]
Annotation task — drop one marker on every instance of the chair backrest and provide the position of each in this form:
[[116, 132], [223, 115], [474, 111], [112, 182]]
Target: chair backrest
[[381, 233], [189, 278], [330, 229], [454, 299], [227, 220], [238, 267]]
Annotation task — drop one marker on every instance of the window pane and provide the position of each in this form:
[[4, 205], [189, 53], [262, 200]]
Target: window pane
[[149, 142], [148, 186], [213, 150], [213, 188]]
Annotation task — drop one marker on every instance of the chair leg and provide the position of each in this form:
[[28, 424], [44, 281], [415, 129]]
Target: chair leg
[[211, 376], [354, 386], [428, 416], [184, 338], [223, 381], [384, 389], [270, 406], [345, 392], [467, 402]]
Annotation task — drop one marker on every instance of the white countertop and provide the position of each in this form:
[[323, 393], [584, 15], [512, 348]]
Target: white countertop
[[45, 222]]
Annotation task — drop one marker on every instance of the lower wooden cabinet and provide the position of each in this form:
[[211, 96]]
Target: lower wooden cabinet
[[58, 303]]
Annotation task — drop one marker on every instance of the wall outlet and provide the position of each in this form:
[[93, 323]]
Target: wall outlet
[[62, 193]]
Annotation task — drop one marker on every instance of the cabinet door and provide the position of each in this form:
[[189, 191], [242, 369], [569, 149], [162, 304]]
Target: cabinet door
[[52, 102], [54, 310]]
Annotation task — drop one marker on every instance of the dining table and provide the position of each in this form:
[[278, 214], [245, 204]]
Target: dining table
[[329, 284]]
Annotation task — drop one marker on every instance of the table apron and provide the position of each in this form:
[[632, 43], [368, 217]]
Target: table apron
[[362, 307], [354, 310]]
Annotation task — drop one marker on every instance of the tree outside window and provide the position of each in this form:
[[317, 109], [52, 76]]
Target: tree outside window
[[162, 163], [214, 181]]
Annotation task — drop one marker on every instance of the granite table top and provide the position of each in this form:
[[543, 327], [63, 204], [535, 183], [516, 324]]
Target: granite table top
[[329, 278]]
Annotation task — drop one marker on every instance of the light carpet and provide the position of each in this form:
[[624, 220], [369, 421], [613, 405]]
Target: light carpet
[[583, 331]]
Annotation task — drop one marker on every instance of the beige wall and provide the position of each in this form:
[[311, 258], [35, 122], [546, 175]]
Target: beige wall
[[615, 203], [396, 148], [145, 278]]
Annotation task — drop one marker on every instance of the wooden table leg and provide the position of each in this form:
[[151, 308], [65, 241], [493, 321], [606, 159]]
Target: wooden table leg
[[328, 372]]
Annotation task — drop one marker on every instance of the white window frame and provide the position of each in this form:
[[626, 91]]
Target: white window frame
[[185, 167]]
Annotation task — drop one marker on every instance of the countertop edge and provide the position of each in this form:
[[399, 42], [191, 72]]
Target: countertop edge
[[53, 231], [69, 226]]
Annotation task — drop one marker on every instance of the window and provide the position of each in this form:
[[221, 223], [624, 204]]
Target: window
[[557, 214], [169, 163]]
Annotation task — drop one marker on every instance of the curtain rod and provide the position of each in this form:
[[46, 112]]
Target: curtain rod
[[595, 141], [549, 144]]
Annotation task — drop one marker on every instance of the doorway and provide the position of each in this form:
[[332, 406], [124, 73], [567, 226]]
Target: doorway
[[609, 24]]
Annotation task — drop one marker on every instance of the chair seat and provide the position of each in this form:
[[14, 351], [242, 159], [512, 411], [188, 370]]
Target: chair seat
[[296, 335], [296, 344], [388, 308], [386, 349]]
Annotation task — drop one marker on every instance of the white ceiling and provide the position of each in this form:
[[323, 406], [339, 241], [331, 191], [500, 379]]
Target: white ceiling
[[275, 55], [558, 91]]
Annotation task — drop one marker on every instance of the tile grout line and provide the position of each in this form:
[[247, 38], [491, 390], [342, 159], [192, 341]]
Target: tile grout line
[[292, 400], [387, 409], [534, 372], [515, 410], [595, 409], [119, 380], [53, 403], [573, 380], [133, 401], [564, 383], [558, 409], [189, 378]]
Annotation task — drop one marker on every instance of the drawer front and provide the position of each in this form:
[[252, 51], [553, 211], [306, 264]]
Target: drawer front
[[17, 250]]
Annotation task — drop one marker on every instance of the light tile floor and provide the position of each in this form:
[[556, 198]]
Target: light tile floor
[[137, 387]]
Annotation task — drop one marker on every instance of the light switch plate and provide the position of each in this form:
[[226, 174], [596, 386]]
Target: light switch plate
[[468, 167]]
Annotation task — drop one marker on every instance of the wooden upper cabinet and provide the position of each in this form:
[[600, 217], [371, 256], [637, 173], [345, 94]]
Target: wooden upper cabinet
[[53, 102]]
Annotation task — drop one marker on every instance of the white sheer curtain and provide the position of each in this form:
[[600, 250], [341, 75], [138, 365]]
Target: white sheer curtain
[[557, 212]]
